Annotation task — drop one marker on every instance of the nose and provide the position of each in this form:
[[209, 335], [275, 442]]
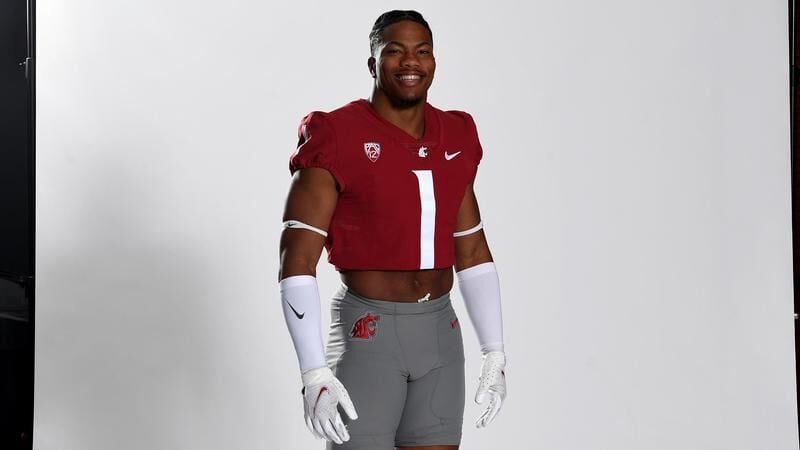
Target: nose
[[409, 60]]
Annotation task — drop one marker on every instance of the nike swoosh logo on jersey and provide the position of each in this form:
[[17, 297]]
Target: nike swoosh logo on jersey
[[299, 316], [448, 156]]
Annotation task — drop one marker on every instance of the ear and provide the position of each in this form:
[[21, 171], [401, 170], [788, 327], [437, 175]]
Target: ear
[[371, 66]]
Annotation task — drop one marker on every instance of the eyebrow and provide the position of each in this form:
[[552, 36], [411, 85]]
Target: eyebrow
[[401, 44]]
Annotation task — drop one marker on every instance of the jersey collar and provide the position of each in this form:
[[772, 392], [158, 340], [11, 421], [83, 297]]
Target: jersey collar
[[432, 125]]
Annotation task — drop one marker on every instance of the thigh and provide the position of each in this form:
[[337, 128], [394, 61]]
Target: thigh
[[372, 374], [377, 389], [434, 408]]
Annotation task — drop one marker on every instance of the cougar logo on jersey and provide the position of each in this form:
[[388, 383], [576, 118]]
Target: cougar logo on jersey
[[373, 150], [365, 326]]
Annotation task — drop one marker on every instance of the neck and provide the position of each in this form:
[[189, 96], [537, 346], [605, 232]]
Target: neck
[[408, 117]]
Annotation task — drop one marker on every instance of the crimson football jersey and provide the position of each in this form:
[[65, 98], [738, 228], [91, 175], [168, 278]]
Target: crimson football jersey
[[398, 195]]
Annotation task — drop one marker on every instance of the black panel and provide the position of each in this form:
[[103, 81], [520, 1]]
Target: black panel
[[17, 181], [16, 171], [16, 368]]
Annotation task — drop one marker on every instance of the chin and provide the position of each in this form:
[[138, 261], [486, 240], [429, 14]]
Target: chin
[[407, 101]]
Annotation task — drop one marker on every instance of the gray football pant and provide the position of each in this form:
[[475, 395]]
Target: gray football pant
[[403, 366]]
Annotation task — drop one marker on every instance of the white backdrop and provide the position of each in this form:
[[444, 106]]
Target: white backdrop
[[635, 190]]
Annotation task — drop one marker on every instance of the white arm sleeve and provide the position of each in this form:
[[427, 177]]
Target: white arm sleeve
[[301, 309], [480, 288]]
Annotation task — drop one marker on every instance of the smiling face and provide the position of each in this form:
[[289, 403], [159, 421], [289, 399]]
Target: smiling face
[[403, 64]]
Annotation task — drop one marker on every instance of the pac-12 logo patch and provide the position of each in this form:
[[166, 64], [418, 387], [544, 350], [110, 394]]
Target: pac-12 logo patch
[[365, 326], [373, 150]]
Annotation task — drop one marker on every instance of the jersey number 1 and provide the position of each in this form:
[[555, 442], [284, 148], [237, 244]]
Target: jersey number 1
[[427, 223]]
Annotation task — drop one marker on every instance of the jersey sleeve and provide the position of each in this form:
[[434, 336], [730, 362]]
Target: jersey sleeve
[[478, 147], [476, 150], [316, 146]]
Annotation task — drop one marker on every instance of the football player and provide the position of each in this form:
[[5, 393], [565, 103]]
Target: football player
[[385, 184]]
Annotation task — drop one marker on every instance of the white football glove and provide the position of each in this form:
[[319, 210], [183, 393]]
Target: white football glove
[[322, 391], [493, 384]]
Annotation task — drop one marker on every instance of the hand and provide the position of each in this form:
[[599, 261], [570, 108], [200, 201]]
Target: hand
[[493, 385], [322, 392]]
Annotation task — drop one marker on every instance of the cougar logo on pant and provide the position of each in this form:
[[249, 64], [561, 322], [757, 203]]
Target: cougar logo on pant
[[365, 326]]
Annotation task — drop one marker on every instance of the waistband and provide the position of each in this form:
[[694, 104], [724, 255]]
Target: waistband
[[345, 294]]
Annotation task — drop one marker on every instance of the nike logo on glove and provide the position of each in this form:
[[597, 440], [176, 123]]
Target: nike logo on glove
[[448, 156], [324, 389], [299, 316]]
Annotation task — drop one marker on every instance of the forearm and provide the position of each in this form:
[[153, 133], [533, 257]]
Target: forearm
[[471, 250], [299, 254], [480, 289], [302, 312], [292, 265]]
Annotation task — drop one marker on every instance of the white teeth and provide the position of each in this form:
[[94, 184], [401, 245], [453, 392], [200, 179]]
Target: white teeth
[[410, 77]]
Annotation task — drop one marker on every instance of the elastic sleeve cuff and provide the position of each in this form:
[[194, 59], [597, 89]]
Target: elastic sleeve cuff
[[316, 375], [297, 280], [476, 270], [493, 347]]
